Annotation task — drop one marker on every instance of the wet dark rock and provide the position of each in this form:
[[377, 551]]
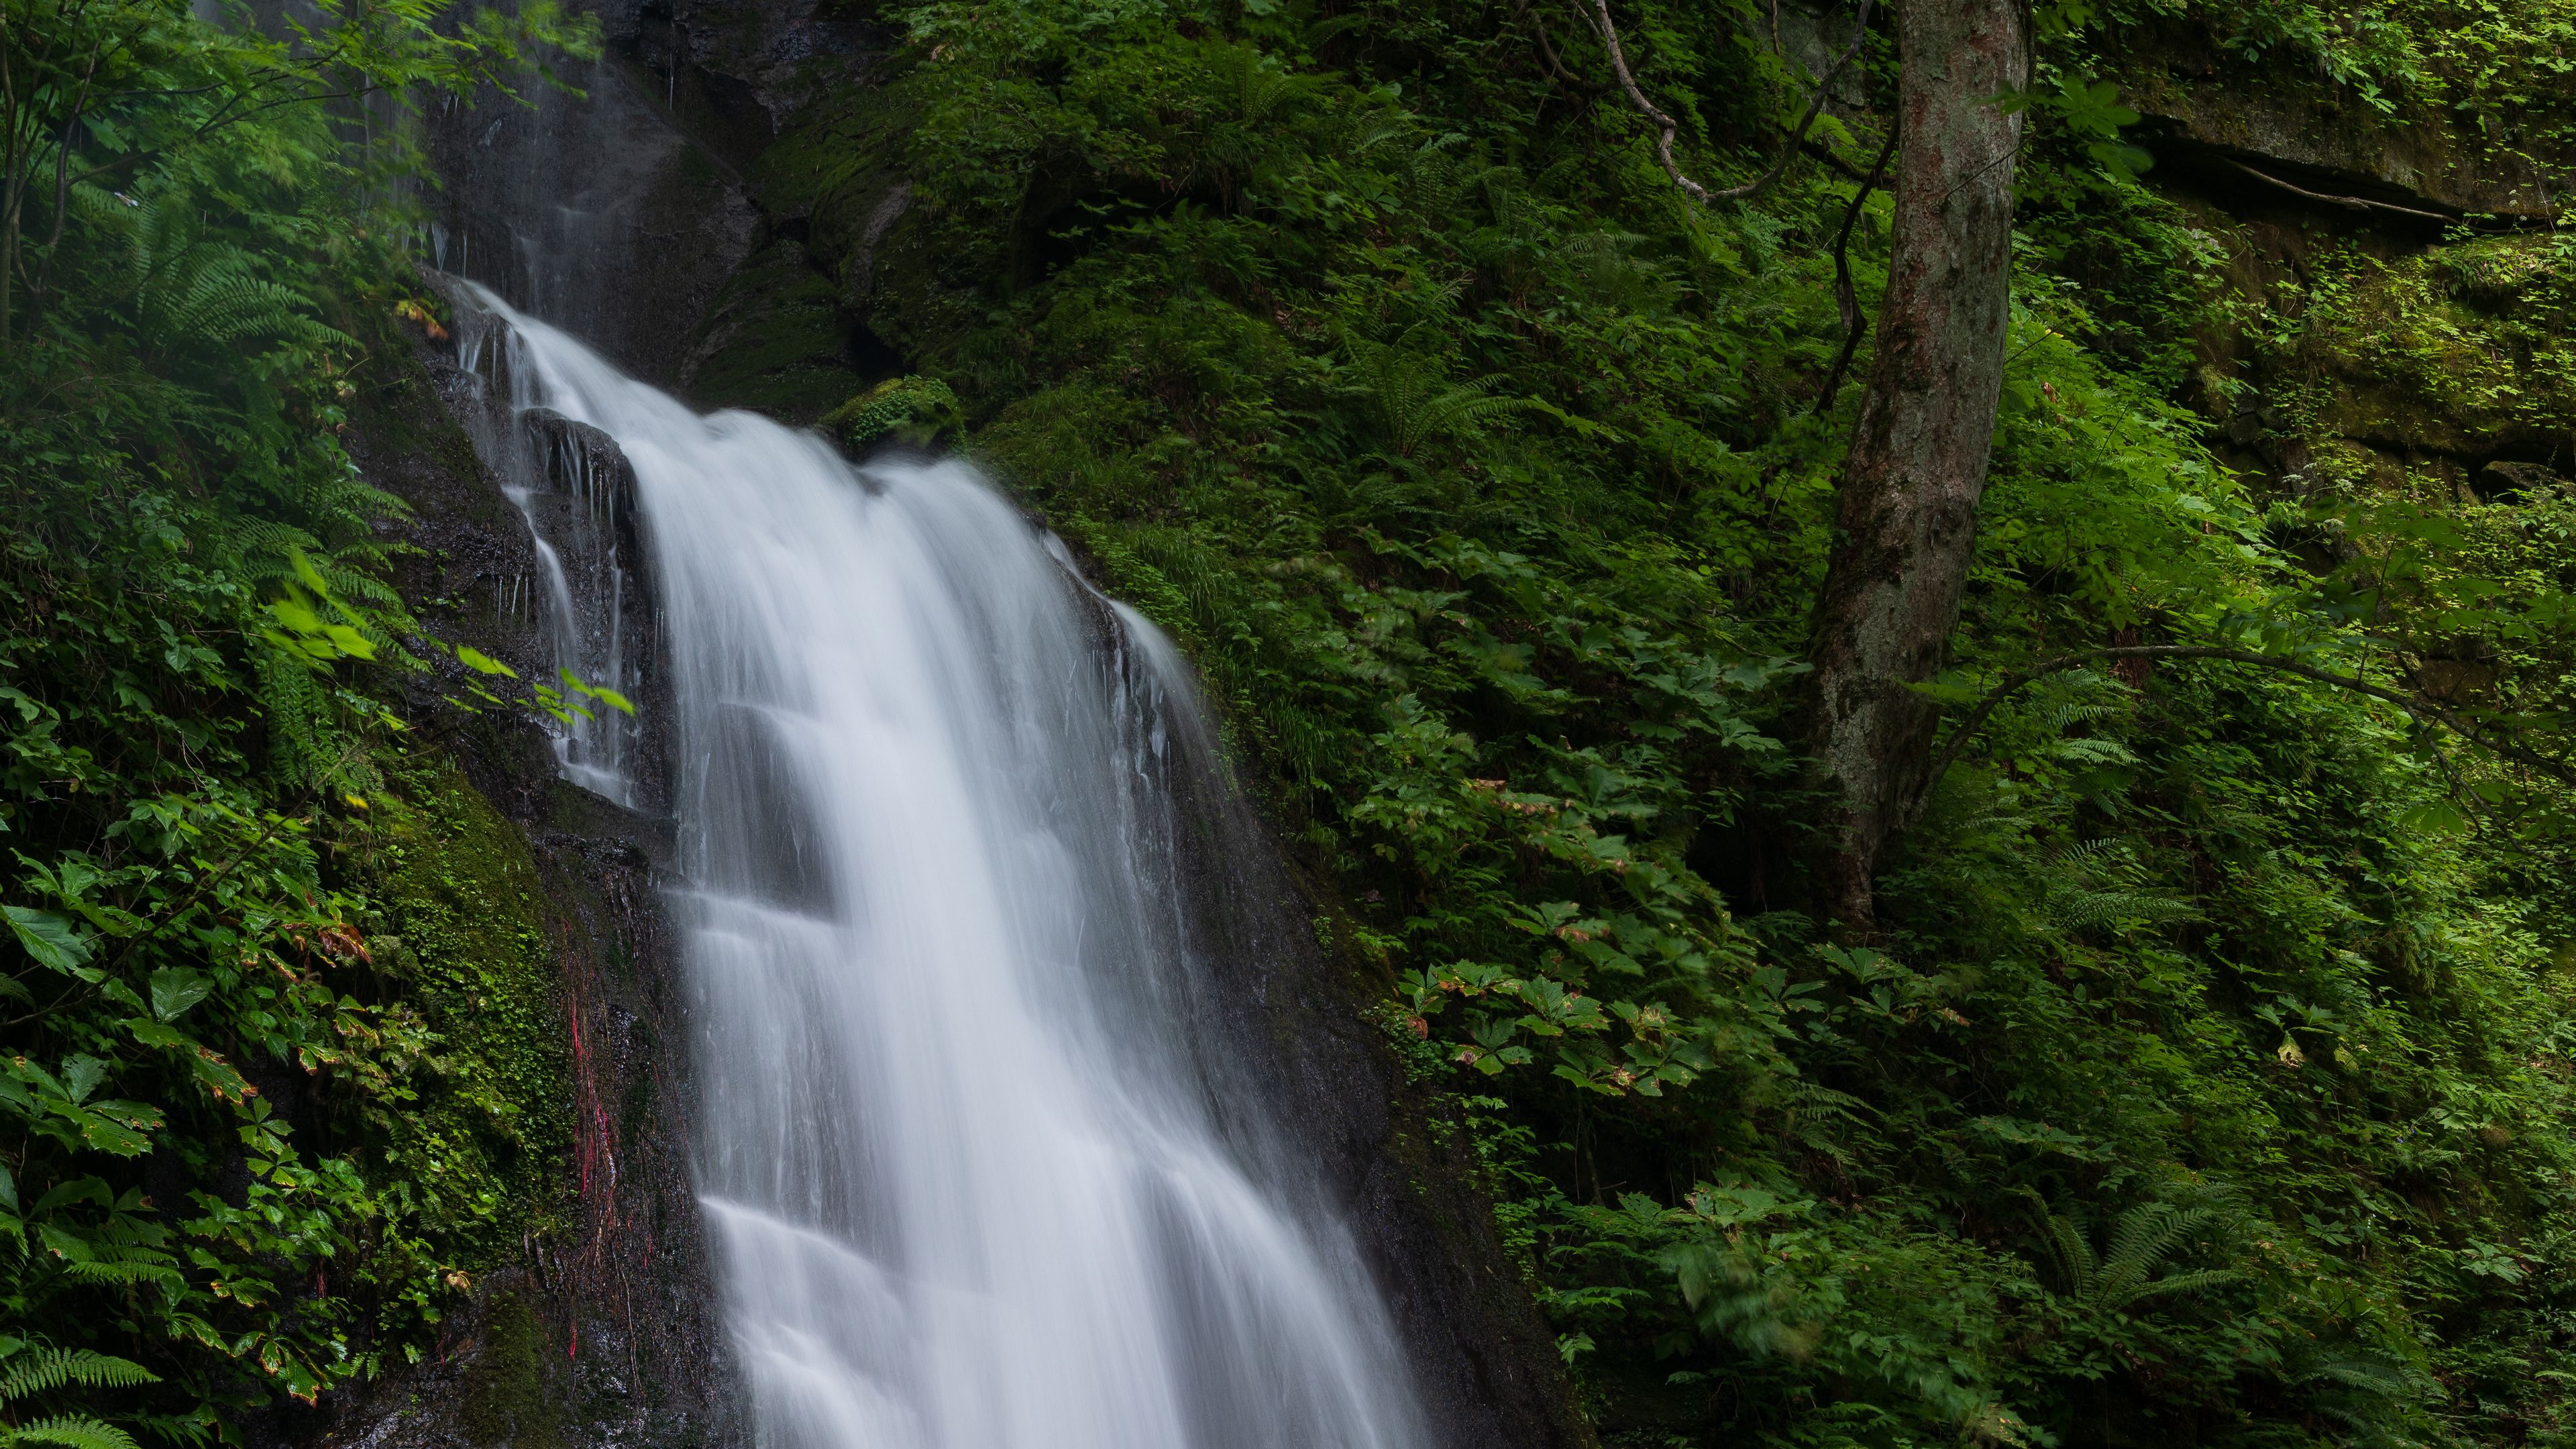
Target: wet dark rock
[[603, 1330]]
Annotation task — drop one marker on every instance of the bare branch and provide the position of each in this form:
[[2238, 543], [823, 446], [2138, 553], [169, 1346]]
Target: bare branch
[[1835, 163], [41, 285], [1846, 298], [1666, 127], [1547, 52]]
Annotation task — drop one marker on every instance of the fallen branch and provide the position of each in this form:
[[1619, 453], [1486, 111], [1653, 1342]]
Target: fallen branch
[[2348, 203], [1666, 127], [1833, 161], [2415, 705]]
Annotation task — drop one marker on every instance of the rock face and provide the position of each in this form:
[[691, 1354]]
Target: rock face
[[1391, 1153], [2397, 300], [624, 213], [2279, 137], [602, 1330]]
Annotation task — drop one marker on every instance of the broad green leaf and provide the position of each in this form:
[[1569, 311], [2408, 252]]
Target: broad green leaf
[[48, 937], [81, 1075], [147, 1032], [482, 663], [175, 989], [304, 570]]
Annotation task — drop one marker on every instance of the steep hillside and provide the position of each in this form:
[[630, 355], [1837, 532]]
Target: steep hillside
[[2203, 1077]]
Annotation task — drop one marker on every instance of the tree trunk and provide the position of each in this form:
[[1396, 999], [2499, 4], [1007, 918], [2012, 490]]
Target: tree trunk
[[1907, 518]]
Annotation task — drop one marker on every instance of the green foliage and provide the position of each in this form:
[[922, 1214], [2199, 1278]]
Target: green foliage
[[27, 1371], [253, 1146], [505, 1398], [2209, 1082], [106, 93]]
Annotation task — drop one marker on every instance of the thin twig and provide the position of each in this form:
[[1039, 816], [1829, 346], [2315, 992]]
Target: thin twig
[[40, 287], [1547, 52], [1666, 127], [1846, 299], [2421, 708]]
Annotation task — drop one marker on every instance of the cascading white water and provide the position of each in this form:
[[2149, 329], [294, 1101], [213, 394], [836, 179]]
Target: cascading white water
[[966, 1183]]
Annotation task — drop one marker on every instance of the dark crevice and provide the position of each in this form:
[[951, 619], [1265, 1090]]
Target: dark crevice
[[2250, 183]]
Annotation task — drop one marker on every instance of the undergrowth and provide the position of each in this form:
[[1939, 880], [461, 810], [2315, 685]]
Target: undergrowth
[[277, 1085], [2209, 1082]]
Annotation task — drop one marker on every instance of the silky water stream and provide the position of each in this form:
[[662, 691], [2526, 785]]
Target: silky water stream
[[973, 1180]]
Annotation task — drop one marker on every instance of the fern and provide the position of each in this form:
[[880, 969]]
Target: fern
[[71, 1431], [1413, 403], [46, 1369], [192, 293], [2098, 883], [2072, 1254], [2357, 1387], [2122, 1276], [128, 1266]]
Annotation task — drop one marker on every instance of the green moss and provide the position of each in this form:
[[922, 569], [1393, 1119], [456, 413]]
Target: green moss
[[774, 342], [506, 1397], [837, 164], [918, 411], [481, 1149]]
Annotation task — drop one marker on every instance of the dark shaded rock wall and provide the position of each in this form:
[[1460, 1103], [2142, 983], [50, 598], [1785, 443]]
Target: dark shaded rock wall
[[2266, 133], [1390, 1154], [602, 1329], [2387, 260]]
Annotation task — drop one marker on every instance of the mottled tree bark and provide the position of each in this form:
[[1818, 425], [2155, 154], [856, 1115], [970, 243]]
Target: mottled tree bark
[[1907, 517]]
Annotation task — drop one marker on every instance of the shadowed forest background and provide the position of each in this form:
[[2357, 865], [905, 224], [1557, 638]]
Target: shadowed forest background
[[2200, 1075]]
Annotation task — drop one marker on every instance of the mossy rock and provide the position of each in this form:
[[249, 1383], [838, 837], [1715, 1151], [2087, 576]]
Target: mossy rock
[[914, 411], [507, 1399], [774, 342], [482, 1146]]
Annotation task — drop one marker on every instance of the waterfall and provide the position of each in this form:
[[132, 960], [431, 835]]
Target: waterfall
[[975, 1178]]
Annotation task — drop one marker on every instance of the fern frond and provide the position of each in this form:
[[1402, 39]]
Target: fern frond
[[191, 1431], [128, 1271], [72, 1431], [221, 304], [1413, 402], [2077, 909], [266, 545], [2101, 882], [2173, 1283], [2074, 1255], [52, 1368], [2087, 853], [2139, 1240], [2356, 1386]]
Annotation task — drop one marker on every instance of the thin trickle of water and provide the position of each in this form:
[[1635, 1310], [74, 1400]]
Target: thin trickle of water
[[966, 1182], [562, 492]]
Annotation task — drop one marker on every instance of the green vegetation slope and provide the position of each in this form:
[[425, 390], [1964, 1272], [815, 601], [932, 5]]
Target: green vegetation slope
[[2208, 1079]]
